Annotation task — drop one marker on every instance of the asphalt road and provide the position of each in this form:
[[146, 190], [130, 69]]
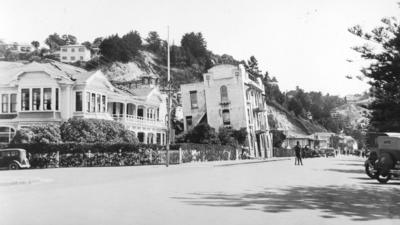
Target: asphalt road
[[323, 191]]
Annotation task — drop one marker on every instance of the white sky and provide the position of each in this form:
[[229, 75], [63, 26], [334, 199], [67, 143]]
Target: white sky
[[303, 43]]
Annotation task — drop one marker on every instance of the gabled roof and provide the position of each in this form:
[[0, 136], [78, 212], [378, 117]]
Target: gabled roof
[[10, 71]]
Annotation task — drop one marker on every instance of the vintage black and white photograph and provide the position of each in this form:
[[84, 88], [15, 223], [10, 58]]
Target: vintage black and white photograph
[[200, 112]]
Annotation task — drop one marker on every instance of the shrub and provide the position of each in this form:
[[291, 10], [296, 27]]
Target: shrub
[[202, 134], [49, 133], [96, 131]]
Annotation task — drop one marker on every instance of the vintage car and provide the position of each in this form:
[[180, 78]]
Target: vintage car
[[329, 152], [387, 165], [13, 159]]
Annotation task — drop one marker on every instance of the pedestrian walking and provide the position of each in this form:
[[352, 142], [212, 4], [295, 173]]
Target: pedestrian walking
[[297, 150]]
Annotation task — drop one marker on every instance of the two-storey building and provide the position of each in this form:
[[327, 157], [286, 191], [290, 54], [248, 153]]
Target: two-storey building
[[74, 53], [52, 92], [230, 97]]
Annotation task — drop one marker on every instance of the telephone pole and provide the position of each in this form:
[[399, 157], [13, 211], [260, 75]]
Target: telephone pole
[[168, 103]]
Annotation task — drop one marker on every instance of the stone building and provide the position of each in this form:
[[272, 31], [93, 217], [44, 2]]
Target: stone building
[[230, 97]]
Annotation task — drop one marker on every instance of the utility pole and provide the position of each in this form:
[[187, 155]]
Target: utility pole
[[168, 102]]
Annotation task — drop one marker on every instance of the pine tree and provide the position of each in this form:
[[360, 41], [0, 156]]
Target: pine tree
[[383, 51]]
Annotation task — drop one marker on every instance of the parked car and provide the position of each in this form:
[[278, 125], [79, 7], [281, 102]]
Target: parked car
[[329, 152], [387, 165], [13, 158]]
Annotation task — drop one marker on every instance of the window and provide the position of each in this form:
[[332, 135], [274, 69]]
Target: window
[[13, 105], [64, 50], [81, 50], [6, 134], [25, 99], [158, 139], [4, 103], [88, 101], [140, 137], [73, 50], [64, 57], [57, 98], [114, 108], [98, 102], [193, 99], [78, 101], [226, 117], [93, 103], [189, 121], [81, 57], [103, 101], [72, 58], [35, 99], [224, 93], [47, 99]]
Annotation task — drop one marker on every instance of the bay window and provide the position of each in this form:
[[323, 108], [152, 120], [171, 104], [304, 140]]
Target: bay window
[[47, 99], [103, 101], [13, 105], [88, 101], [4, 103], [78, 101], [57, 98], [93, 102], [98, 101], [35, 99], [25, 99]]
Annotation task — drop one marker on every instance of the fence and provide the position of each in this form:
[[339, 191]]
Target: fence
[[98, 155], [283, 152]]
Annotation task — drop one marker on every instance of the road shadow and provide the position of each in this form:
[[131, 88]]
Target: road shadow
[[346, 170], [351, 164], [359, 204]]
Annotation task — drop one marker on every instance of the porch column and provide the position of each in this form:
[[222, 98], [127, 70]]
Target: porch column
[[124, 109]]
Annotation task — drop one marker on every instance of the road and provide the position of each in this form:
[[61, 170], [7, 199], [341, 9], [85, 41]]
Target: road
[[323, 191]]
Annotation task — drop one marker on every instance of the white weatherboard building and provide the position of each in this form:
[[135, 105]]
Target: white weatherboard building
[[74, 53], [230, 97], [42, 93]]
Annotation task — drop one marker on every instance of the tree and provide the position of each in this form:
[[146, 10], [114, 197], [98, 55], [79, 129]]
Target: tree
[[96, 42], [195, 47], [87, 44], [35, 44], [278, 137], [69, 39], [252, 67], [133, 42], [154, 41], [54, 41], [202, 134], [382, 50], [114, 49]]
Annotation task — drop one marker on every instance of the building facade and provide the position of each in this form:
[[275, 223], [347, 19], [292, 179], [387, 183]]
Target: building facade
[[74, 53], [229, 97], [42, 93]]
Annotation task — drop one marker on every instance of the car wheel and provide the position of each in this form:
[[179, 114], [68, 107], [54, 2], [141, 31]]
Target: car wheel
[[383, 179], [368, 171], [13, 166]]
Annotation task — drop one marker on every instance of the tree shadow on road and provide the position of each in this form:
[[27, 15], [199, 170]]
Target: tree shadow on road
[[360, 204], [347, 170]]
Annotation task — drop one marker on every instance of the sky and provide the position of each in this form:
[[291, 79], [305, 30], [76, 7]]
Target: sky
[[302, 43]]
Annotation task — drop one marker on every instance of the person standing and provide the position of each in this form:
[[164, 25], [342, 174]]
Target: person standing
[[297, 150]]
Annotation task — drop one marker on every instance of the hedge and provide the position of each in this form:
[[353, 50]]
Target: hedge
[[85, 147]]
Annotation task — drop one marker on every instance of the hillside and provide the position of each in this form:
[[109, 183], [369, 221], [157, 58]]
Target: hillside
[[149, 65], [280, 119], [353, 112]]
